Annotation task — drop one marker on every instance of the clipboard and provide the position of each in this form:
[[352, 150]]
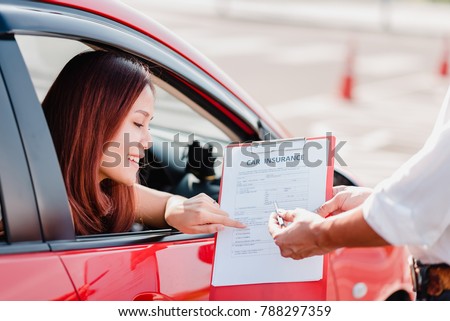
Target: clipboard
[[310, 284]]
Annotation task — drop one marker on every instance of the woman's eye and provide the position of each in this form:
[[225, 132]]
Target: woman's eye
[[139, 125]]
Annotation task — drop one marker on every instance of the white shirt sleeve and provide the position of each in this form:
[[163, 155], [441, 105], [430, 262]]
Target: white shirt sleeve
[[413, 206]]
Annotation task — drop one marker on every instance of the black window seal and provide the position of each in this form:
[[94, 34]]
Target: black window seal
[[50, 194], [127, 239]]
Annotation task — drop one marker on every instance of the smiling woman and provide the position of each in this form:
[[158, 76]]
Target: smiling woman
[[98, 110], [79, 107]]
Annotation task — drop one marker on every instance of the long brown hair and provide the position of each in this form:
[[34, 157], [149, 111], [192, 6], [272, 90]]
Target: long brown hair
[[84, 108]]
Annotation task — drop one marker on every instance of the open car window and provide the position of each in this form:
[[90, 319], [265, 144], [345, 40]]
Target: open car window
[[45, 57], [176, 115], [178, 119]]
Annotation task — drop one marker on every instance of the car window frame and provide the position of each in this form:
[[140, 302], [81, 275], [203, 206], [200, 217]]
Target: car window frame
[[47, 181], [17, 198]]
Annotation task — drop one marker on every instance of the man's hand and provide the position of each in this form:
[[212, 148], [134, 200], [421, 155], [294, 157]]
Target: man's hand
[[344, 198], [299, 239]]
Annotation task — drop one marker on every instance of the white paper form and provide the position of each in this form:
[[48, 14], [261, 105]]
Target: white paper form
[[291, 172]]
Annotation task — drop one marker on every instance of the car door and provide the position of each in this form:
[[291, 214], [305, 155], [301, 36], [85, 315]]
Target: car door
[[142, 265]]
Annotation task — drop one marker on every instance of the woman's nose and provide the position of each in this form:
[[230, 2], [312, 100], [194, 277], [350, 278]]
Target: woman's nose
[[147, 140]]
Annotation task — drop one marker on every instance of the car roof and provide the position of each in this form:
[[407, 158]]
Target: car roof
[[128, 16]]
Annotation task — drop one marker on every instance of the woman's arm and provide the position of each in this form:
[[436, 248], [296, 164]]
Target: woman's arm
[[151, 206]]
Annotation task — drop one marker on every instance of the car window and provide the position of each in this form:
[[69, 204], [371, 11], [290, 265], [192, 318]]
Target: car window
[[174, 112], [45, 57]]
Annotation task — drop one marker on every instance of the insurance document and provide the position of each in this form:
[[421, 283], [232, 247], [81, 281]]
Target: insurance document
[[293, 173]]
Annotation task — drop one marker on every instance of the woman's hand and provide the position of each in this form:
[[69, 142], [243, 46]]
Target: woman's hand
[[344, 198], [199, 214]]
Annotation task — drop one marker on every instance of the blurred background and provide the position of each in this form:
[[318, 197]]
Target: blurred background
[[372, 72]]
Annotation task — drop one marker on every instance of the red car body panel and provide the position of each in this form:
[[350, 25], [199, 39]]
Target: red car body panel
[[34, 276], [351, 266], [160, 271]]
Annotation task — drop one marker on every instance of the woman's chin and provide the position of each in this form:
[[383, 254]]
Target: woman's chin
[[128, 181], [126, 177]]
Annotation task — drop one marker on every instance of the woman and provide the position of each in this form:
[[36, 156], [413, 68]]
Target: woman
[[98, 111]]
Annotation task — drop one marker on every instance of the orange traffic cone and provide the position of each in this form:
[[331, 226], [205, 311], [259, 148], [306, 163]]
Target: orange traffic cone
[[443, 68], [346, 91], [347, 86]]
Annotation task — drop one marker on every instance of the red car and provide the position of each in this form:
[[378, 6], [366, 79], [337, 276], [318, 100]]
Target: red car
[[41, 258]]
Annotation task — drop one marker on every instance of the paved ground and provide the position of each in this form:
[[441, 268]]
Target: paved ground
[[291, 56]]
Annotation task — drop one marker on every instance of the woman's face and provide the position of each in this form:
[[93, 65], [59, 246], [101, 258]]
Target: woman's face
[[120, 160]]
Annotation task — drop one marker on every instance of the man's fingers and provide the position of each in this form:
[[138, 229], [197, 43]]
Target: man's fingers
[[329, 207], [288, 215], [338, 189], [286, 252], [274, 227]]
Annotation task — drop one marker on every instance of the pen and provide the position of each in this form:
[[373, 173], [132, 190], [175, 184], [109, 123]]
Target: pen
[[279, 218]]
